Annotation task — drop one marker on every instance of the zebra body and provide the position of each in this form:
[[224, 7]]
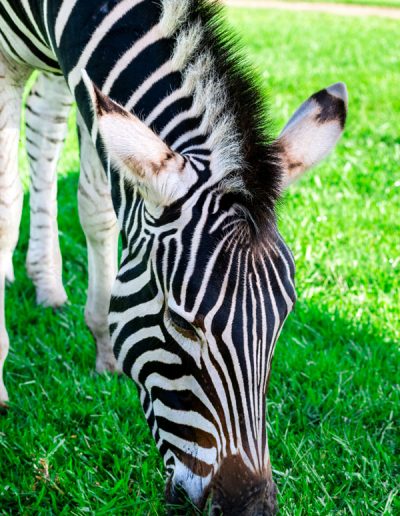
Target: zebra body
[[205, 281]]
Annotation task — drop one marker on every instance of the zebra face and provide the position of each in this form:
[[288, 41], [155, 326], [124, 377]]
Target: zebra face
[[196, 311], [201, 297], [231, 304]]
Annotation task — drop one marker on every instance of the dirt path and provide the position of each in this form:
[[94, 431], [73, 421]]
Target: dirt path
[[339, 9]]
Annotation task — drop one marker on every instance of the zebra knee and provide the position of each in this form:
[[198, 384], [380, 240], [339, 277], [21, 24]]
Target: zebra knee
[[9, 233], [98, 325], [96, 212], [9, 271]]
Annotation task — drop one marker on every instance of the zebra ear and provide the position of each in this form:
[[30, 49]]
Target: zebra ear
[[313, 131], [138, 152]]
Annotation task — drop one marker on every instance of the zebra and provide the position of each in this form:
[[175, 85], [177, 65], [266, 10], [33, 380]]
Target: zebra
[[177, 159]]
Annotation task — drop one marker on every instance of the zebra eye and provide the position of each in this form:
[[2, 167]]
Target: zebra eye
[[184, 327]]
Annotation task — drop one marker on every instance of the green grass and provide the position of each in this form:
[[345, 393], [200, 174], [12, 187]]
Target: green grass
[[76, 443]]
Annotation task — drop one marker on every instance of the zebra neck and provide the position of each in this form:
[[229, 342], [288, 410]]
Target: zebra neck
[[151, 58]]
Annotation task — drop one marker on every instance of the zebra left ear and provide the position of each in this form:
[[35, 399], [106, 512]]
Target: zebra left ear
[[312, 132], [138, 152]]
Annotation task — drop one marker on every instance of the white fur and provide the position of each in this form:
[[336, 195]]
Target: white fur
[[29, 13], [107, 23], [305, 141], [174, 14], [129, 139]]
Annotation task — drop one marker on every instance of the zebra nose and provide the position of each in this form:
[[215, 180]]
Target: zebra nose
[[238, 491]]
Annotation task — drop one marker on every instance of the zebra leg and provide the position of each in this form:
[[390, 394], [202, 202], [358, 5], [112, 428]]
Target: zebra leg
[[47, 110], [99, 224], [12, 80]]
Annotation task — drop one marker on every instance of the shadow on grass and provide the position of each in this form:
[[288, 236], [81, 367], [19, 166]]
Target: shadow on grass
[[76, 441]]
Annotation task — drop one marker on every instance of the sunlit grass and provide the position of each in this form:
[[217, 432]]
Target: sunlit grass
[[76, 443]]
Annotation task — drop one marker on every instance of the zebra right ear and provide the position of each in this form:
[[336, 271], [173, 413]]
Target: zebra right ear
[[312, 132], [139, 152]]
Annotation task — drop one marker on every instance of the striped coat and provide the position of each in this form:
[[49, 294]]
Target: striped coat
[[176, 159]]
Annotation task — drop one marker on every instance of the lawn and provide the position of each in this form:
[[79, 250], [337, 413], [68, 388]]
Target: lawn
[[76, 443]]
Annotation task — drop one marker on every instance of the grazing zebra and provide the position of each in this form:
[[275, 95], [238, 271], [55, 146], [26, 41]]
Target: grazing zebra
[[172, 125]]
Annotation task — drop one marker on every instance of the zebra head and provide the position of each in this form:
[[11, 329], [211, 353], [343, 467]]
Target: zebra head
[[204, 287]]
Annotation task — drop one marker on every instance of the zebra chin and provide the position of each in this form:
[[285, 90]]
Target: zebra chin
[[234, 490]]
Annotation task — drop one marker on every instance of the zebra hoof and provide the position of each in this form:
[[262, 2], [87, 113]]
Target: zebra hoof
[[3, 399], [3, 408], [10, 278], [54, 298], [107, 364]]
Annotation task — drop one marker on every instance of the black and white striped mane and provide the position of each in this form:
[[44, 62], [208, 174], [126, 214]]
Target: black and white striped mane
[[259, 170]]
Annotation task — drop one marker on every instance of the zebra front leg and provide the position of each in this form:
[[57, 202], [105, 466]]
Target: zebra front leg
[[11, 194], [99, 224], [47, 110]]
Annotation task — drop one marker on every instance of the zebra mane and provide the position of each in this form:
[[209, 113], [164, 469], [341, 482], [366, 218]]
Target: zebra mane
[[226, 92]]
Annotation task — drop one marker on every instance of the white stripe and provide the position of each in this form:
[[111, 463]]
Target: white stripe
[[159, 355], [246, 347], [187, 383], [9, 52], [207, 274], [276, 315], [27, 7], [46, 23], [23, 52], [151, 307], [22, 27], [187, 418], [134, 286], [150, 37], [227, 337], [288, 299], [213, 348], [207, 455], [263, 367], [74, 77], [62, 18], [256, 355], [194, 246], [161, 72], [134, 338]]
